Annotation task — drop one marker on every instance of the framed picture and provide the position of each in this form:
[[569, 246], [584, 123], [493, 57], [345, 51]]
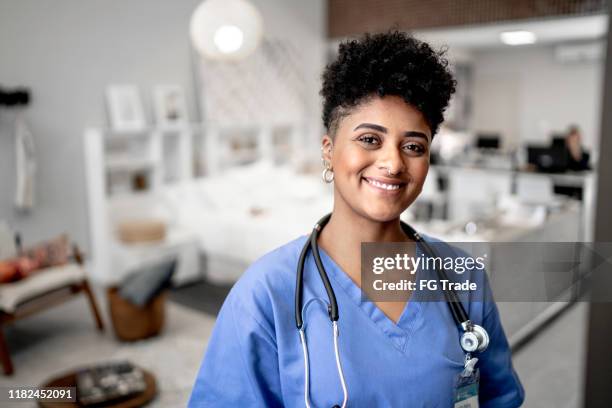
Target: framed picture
[[125, 109], [170, 105]]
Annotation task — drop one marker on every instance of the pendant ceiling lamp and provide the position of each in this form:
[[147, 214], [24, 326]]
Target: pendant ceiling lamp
[[226, 29]]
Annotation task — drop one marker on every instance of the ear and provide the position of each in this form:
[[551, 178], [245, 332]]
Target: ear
[[326, 148]]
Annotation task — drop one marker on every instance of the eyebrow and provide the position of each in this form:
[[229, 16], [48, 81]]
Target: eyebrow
[[382, 129]]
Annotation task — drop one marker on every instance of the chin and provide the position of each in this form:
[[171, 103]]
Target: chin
[[382, 214]]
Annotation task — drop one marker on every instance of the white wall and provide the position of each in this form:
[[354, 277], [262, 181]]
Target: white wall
[[304, 23], [67, 51], [525, 94]]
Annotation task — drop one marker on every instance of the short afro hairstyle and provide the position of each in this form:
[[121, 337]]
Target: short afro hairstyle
[[391, 63]]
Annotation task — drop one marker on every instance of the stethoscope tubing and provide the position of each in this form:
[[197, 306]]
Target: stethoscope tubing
[[457, 310]]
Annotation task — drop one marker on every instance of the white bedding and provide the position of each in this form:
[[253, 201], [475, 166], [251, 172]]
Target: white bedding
[[246, 212]]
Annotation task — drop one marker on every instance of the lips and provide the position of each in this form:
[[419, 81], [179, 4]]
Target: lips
[[384, 184]]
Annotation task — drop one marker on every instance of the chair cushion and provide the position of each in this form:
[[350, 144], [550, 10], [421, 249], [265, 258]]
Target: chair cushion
[[12, 294]]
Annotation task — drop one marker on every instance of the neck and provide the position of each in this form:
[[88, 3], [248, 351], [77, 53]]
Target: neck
[[346, 230], [355, 229]]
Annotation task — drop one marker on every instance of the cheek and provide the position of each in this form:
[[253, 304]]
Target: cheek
[[352, 161], [418, 167], [418, 170]]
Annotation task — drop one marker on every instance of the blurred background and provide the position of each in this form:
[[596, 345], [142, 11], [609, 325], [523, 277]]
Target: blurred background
[[151, 150]]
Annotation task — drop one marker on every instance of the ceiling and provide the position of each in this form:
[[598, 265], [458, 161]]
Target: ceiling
[[551, 31]]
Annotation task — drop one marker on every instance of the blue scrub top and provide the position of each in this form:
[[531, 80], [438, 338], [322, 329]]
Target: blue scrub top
[[254, 357]]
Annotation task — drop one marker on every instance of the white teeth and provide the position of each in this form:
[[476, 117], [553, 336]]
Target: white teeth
[[383, 185]]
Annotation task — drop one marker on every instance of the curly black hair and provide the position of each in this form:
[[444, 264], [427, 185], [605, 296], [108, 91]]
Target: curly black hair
[[391, 63]]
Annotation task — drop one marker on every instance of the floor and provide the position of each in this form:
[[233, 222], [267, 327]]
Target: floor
[[550, 366], [65, 337], [201, 296]]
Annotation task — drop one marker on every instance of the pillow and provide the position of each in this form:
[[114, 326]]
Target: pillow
[[26, 266], [14, 269], [9, 271], [143, 284], [54, 252]]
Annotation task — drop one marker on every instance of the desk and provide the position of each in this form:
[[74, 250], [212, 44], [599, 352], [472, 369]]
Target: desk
[[473, 191], [568, 178]]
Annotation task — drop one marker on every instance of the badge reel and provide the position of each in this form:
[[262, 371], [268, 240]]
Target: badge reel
[[468, 380]]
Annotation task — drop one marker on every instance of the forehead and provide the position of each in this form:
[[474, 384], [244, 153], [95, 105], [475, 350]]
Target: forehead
[[391, 112]]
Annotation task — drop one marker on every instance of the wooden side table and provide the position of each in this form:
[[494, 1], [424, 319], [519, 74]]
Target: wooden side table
[[135, 401]]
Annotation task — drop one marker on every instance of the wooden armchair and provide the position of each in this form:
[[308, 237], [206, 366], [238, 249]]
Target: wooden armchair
[[40, 291]]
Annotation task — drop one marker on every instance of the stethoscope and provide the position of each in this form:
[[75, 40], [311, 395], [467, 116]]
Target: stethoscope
[[474, 338]]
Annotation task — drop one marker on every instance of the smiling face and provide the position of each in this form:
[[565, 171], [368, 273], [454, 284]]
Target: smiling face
[[380, 158]]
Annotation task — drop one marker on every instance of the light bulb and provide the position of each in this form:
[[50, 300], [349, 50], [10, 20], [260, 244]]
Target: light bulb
[[228, 39], [226, 29]]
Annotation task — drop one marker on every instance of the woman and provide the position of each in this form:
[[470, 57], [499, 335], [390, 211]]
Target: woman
[[577, 158], [384, 99]]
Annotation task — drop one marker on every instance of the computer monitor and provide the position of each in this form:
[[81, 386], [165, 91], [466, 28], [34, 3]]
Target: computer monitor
[[547, 159], [558, 140], [534, 153], [488, 141]]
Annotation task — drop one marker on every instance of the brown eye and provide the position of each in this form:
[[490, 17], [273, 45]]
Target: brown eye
[[370, 140], [414, 147]]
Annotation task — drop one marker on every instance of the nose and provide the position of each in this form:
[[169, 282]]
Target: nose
[[391, 159]]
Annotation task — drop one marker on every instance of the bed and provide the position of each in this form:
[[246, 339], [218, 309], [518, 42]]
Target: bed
[[233, 218]]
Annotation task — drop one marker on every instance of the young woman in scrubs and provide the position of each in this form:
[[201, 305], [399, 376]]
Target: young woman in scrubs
[[384, 98]]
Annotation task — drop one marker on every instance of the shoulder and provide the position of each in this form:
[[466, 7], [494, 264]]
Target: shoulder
[[275, 269], [446, 250], [466, 262], [267, 285], [443, 247], [449, 250]]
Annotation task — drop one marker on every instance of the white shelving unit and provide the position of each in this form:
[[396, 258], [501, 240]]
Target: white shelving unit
[[113, 159], [230, 145], [160, 155]]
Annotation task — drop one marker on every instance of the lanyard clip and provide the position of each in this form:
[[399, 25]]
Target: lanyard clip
[[469, 365]]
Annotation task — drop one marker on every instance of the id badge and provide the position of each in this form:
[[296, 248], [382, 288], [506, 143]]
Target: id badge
[[466, 389]]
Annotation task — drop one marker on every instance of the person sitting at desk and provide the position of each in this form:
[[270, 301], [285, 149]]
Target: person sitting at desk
[[577, 158]]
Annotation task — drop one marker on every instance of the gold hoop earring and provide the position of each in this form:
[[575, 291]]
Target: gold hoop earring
[[327, 175]]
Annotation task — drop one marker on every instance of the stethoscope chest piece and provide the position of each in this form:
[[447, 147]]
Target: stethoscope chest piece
[[475, 340]]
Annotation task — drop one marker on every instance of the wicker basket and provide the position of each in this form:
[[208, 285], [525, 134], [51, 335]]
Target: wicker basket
[[132, 322], [141, 230]]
